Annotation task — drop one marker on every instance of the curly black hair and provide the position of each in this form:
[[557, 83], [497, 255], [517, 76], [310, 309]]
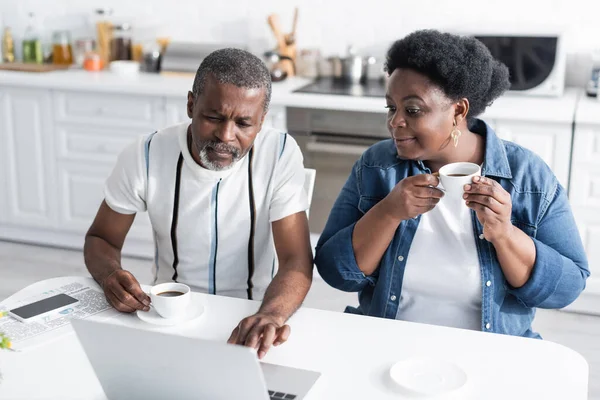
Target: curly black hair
[[461, 66]]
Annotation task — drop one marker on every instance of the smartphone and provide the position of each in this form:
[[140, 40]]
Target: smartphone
[[41, 307]]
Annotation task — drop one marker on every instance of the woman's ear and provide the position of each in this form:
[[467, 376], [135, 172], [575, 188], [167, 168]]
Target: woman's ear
[[461, 110]]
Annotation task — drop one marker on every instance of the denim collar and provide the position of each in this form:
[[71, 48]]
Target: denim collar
[[495, 160]]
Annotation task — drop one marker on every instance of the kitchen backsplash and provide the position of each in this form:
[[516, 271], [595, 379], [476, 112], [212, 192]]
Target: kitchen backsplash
[[330, 25]]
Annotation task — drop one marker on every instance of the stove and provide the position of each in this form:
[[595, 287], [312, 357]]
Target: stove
[[370, 88]]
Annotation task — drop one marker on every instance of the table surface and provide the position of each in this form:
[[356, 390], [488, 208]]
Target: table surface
[[353, 353]]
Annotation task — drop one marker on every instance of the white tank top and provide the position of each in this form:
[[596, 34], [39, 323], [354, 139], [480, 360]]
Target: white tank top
[[442, 279]]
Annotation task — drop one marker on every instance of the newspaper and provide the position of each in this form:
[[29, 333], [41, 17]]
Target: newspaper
[[91, 302]]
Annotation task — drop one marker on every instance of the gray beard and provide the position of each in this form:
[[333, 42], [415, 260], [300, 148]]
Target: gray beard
[[210, 165]]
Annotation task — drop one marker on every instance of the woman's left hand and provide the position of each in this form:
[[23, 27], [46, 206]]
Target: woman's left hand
[[493, 207]]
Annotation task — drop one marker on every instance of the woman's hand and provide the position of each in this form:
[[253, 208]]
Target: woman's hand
[[413, 196], [493, 207]]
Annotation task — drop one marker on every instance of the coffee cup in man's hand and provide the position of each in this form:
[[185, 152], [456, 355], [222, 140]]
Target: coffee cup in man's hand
[[171, 299]]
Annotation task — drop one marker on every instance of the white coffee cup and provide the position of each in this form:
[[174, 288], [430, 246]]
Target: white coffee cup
[[456, 175], [166, 301]]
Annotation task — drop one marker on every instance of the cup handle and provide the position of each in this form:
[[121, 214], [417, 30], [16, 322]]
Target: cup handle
[[150, 305]]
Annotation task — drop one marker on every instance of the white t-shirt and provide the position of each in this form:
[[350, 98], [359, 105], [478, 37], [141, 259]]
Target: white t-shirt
[[442, 278], [211, 229]]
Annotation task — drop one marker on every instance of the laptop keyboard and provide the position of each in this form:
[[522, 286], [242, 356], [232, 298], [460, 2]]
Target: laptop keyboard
[[281, 396]]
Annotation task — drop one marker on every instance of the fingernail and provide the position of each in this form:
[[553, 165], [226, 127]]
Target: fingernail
[[261, 354], [476, 178], [146, 302], [146, 308], [467, 187], [465, 196]]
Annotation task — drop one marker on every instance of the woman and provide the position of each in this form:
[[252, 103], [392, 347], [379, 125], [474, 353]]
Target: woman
[[411, 253]]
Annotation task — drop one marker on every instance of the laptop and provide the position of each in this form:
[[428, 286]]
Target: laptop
[[138, 364]]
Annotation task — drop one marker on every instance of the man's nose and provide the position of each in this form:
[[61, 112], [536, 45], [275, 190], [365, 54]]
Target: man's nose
[[226, 132]]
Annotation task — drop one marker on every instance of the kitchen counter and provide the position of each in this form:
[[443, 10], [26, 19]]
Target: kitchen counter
[[514, 107]]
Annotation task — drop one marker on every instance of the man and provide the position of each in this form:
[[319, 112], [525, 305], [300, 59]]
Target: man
[[226, 201]]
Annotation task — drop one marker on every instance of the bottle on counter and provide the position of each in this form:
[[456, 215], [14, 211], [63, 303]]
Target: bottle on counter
[[593, 86], [104, 29], [62, 51], [32, 44], [8, 46]]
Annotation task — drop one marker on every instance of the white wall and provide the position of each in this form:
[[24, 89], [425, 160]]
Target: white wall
[[327, 24]]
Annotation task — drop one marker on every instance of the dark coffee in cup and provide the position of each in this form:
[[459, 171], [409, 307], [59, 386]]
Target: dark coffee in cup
[[170, 293], [455, 176]]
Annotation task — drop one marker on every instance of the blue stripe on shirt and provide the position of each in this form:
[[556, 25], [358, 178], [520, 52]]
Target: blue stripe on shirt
[[282, 141], [214, 241]]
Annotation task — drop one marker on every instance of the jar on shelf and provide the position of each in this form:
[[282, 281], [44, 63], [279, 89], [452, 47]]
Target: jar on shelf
[[62, 52], [81, 47], [120, 44], [93, 61]]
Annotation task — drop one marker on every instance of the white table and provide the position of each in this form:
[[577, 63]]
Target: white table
[[353, 353]]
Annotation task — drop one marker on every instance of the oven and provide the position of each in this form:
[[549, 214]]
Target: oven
[[331, 142]]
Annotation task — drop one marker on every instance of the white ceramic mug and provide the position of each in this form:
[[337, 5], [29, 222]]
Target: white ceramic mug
[[172, 306], [454, 185]]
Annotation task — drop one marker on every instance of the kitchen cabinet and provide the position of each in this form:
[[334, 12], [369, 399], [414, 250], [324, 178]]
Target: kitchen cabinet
[[86, 154], [60, 148], [276, 118], [552, 142], [4, 175], [143, 112], [81, 190], [27, 159], [585, 195], [176, 110]]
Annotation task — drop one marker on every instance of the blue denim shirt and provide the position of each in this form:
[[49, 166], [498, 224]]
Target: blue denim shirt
[[539, 207]]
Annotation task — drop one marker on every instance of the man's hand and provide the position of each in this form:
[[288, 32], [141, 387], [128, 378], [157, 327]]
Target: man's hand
[[124, 292], [260, 331]]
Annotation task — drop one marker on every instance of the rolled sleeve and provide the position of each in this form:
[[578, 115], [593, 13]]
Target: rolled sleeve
[[561, 268], [337, 265], [125, 188], [289, 195], [334, 255]]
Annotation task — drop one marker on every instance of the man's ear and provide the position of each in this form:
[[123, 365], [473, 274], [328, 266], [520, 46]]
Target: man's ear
[[190, 105]]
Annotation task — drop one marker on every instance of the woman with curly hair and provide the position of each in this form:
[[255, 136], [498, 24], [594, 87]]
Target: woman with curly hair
[[509, 246]]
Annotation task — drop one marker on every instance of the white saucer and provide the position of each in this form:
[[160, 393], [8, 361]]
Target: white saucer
[[194, 311], [428, 376]]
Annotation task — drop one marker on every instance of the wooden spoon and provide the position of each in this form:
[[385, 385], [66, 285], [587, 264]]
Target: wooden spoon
[[291, 37], [275, 25]]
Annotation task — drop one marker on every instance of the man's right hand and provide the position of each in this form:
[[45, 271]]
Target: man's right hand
[[124, 292], [413, 196]]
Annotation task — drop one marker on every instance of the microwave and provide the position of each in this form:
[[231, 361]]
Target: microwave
[[536, 62]]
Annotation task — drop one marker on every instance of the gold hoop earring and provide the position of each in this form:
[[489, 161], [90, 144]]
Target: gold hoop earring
[[455, 134]]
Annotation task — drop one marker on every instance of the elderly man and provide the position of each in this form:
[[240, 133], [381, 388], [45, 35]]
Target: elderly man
[[226, 201]]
